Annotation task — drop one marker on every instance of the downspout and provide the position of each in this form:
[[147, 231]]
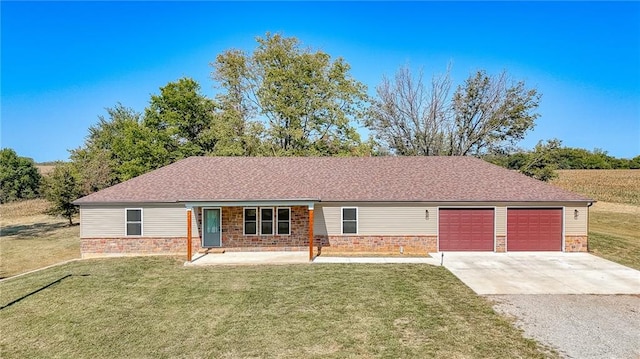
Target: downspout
[[589, 205], [311, 234], [189, 256]]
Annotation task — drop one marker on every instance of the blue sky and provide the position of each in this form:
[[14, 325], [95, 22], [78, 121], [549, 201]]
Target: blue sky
[[63, 63]]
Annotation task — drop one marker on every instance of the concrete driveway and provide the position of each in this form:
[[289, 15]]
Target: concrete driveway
[[540, 273]]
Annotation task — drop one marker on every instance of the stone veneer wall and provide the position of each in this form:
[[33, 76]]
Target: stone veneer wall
[[104, 247], [501, 244], [233, 237], [411, 244], [575, 243]]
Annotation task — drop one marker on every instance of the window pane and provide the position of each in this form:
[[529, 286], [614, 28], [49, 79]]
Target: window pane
[[283, 214], [266, 228], [250, 214], [134, 229], [266, 214], [349, 214], [349, 227], [250, 228], [134, 215], [283, 227]]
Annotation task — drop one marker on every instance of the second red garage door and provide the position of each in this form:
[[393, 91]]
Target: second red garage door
[[534, 229], [466, 229]]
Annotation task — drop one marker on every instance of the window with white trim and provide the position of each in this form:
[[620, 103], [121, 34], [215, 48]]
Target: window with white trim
[[250, 221], [133, 221], [284, 220], [349, 220], [266, 221]]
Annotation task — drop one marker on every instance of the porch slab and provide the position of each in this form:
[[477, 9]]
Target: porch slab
[[253, 258]]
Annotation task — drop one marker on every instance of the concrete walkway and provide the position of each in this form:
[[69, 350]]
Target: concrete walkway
[[252, 258], [378, 260]]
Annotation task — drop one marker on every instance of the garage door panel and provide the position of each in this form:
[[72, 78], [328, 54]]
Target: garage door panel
[[534, 229], [466, 229]]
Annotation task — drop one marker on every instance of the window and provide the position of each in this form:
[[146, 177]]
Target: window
[[134, 222], [284, 221], [250, 221], [266, 221], [349, 220], [270, 222]]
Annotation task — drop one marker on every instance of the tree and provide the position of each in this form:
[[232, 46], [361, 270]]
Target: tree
[[487, 114], [61, 188], [19, 178], [410, 117], [182, 117], [94, 167], [238, 133], [540, 163], [307, 101], [491, 114], [120, 147]]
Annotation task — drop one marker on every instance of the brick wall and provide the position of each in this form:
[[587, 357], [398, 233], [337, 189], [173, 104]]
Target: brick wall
[[575, 243]]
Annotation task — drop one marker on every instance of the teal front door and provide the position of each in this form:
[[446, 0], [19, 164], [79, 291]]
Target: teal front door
[[211, 235]]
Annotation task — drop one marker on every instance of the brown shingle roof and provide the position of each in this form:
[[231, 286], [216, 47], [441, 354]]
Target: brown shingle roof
[[331, 179]]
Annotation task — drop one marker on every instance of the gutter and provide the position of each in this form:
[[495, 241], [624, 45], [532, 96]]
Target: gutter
[[589, 202]]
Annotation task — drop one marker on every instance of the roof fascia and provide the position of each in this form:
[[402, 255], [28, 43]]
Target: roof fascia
[[273, 203]]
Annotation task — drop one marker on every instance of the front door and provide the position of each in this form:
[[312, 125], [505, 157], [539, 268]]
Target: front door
[[211, 222]]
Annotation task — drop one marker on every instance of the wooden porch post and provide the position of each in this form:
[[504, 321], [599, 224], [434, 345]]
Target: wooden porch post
[[189, 235], [310, 234]]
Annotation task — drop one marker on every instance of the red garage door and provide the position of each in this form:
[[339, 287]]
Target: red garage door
[[534, 229], [466, 229]]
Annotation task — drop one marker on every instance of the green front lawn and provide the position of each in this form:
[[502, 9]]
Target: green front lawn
[[156, 308]]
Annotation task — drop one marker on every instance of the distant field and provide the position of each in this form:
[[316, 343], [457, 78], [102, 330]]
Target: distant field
[[31, 239], [614, 221], [45, 169], [620, 186]]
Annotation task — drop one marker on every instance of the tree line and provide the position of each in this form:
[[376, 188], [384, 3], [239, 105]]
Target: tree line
[[283, 99]]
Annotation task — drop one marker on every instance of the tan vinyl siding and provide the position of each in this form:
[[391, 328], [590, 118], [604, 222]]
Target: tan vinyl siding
[[165, 221], [319, 224], [326, 220], [378, 219], [157, 221], [101, 222], [573, 226], [501, 221]]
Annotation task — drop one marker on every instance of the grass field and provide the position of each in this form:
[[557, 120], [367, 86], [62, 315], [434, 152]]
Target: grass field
[[31, 239], [619, 186], [153, 307], [614, 233]]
